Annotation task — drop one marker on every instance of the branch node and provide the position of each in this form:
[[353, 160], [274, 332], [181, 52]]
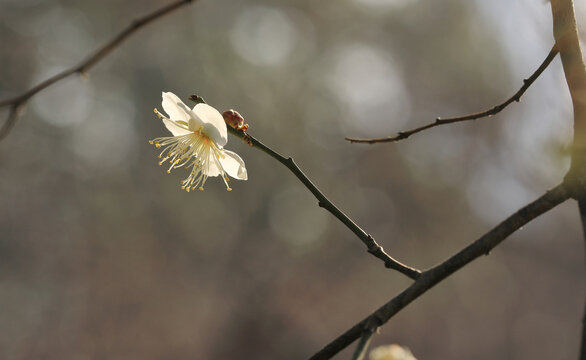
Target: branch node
[[400, 135], [376, 249], [372, 324]]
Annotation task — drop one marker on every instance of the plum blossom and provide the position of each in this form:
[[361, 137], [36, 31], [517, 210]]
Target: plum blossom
[[391, 352], [198, 140]]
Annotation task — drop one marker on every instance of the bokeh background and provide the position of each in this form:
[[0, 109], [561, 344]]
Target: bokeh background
[[102, 256]]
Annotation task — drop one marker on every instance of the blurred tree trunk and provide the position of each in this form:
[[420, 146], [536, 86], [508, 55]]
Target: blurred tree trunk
[[568, 43]]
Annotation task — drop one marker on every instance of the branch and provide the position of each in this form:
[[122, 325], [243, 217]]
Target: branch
[[433, 276], [372, 246], [487, 113], [566, 36], [19, 101]]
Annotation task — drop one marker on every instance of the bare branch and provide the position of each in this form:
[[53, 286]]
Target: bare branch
[[435, 275], [487, 113], [372, 246], [83, 67]]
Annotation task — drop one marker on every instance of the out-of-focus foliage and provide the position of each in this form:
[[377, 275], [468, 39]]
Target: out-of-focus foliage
[[103, 256]]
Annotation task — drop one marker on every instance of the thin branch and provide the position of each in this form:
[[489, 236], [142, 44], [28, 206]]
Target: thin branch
[[487, 113], [435, 275], [10, 120], [372, 246], [364, 342], [18, 101]]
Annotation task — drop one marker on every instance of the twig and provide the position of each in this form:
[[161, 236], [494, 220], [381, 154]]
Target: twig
[[364, 342], [10, 120], [565, 31], [487, 113], [372, 246], [18, 101], [433, 276]]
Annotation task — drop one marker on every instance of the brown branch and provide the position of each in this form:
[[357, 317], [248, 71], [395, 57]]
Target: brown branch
[[372, 246], [487, 113], [565, 31], [19, 101], [435, 275]]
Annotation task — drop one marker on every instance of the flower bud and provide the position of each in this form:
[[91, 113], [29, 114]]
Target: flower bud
[[234, 120]]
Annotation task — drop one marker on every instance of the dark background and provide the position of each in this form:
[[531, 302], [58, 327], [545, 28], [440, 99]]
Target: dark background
[[102, 256]]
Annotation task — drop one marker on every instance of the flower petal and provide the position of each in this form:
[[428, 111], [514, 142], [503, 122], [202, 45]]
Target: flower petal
[[213, 123], [233, 165], [175, 129], [175, 108], [212, 168]]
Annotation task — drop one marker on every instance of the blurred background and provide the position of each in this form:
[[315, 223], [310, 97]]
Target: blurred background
[[102, 256]]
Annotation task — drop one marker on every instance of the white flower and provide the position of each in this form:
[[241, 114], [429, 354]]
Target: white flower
[[198, 140], [391, 352]]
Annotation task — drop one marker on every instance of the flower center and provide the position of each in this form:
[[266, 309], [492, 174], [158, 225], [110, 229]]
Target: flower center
[[195, 150]]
